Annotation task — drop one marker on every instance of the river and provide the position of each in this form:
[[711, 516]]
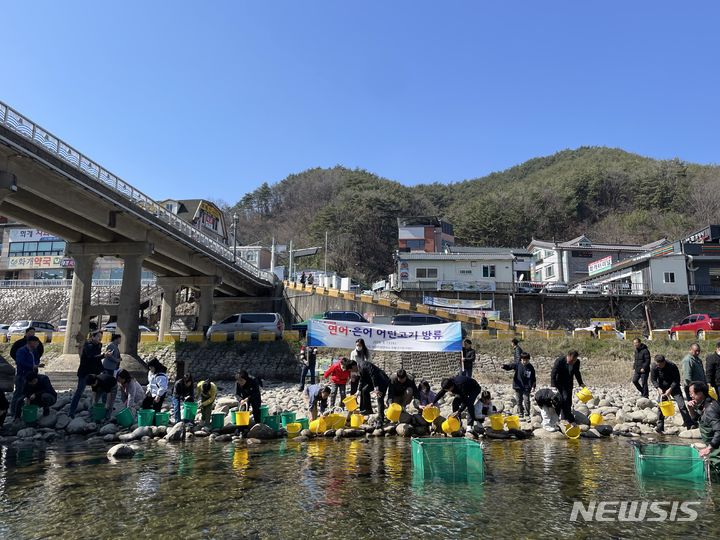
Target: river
[[327, 489]]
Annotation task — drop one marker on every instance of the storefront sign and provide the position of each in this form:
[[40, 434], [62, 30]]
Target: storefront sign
[[31, 235], [600, 265], [54, 261]]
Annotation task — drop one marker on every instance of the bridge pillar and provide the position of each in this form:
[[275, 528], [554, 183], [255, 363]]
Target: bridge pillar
[[129, 308], [167, 308], [206, 306], [8, 184], [78, 311]]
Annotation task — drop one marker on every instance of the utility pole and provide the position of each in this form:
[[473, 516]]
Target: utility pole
[[272, 256], [326, 246], [290, 263], [235, 224]]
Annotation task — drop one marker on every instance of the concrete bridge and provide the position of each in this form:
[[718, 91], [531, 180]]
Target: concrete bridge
[[48, 184]]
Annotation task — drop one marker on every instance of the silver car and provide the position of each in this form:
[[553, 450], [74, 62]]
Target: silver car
[[19, 327], [249, 322]]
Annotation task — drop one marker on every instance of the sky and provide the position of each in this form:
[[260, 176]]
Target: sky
[[211, 99]]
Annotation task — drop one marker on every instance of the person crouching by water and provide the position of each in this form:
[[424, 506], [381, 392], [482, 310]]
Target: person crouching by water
[[523, 382], [38, 391], [665, 377], [339, 377], [184, 390], [425, 396], [247, 390], [466, 392], [372, 382], [104, 388], [316, 399], [565, 369], [90, 364], [549, 404], [707, 410], [157, 386], [207, 392], [402, 389], [484, 407], [131, 391]]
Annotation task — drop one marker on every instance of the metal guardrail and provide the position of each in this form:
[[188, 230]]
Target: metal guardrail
[[42, 138], [62, 283]]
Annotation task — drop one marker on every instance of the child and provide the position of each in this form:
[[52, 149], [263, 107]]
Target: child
[[339, 378], [523, 382], [484, 407]]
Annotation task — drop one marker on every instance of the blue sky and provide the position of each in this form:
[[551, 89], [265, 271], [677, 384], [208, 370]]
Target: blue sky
[[210, 99]]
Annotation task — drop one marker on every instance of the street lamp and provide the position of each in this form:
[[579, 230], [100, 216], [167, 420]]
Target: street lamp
[[235, 218]]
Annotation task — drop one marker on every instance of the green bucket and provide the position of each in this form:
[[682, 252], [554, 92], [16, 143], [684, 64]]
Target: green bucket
[[146, 417], [97, 413], [189, 410], [125, 418], [287, 418], [162, 418], [304, 422], [273, 421], [30, 413], [264, 412], [217, 420]]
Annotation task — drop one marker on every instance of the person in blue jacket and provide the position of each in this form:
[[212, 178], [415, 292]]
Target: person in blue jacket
[[523, 382], [26, 361]]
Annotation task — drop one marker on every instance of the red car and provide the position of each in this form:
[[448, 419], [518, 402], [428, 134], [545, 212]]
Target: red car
[[698, 323]]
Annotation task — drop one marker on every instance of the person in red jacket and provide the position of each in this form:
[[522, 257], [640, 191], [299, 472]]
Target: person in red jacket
[[339, 378]]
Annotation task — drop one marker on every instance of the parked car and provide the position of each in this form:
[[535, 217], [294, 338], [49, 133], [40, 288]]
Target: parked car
[[416, 319], [62, 325], [622, 287], [19, 327], [586, 288], [112, 328], [698, 323], [556, 287], [250, 322], [4, 332], [528, 289]]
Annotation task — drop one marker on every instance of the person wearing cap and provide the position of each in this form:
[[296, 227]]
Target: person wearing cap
[[665, 377], [90, 364], [402, 389], [207, 392], [184, 390]]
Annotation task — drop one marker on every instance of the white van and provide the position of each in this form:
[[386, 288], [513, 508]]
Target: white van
[[249, 322]]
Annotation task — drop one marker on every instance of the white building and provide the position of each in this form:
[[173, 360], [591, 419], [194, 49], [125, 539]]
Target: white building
[[480, 271]]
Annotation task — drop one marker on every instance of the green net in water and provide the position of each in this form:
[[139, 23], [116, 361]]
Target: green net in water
[[669, 462], [447, 460]]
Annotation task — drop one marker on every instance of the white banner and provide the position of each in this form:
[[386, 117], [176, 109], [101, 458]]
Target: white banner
[[385, 337], [457, 303], [470, 286]]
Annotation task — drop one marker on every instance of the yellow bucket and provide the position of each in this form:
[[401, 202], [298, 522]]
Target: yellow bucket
[[712, 393], [356, 420], [451, 425], [293, 427], [350, 403], [319, 425], [430, 414], [393, 412], [667, 408], [512, 422], [596, 419], [572, 432], [335, 421], [242, 418], [497, 422], [584, 394]]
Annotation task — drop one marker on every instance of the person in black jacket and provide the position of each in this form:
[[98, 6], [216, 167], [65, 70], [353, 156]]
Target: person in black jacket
[[247, 390], [705, 408], [712, 369], [402, 389], [524, 382], [371, 381], [466, 392], [467, 358], [4, 407], [20, 343], [90, 364], [38, 391], [104, 388], [641, 367], [561, 377], [665, 377]]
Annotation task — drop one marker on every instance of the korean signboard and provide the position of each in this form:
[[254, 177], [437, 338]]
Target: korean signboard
[[600, 265]]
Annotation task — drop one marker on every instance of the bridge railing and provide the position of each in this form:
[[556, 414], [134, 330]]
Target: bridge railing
[[63, 283], [42, 138]]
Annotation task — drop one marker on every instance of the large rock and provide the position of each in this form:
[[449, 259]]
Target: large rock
[[110, 437], [637, 416], [544, 434], [591, 434], [604, 430], [26, 433], [61, 402], [404, 430], [77, 426], [121, 451], [108, 429], [405, 418], [138, 433], [176, 433], [48, 421], [583, 409], [581, 418], [62, 421], [418, 420], [690, 434], [224, 404], [262, 432], [644, 403], [651, 417]]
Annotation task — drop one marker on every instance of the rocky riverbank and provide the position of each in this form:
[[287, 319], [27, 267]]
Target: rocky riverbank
[[624, 414]]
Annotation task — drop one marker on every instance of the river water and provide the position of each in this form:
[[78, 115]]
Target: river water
[[327, 489]]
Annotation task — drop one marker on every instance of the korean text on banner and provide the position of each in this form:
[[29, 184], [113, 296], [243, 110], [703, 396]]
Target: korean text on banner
[[383, 337]]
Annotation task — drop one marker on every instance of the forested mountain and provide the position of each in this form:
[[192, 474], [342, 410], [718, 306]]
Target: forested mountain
[[609, 194]]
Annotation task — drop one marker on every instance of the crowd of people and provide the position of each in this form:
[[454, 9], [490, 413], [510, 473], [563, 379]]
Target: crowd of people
[[693, 387]]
